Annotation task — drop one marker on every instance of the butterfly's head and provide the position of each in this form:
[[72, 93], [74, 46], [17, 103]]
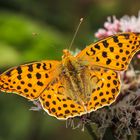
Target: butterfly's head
[[66, 53], [67, 57]]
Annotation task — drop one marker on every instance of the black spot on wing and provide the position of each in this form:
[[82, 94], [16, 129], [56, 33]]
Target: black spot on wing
[[38, 65], [97, 46], [8, 73], [115, 38], [40, 83], [104, 54], [19, 70], [30, 67], [108, 61], [38, 75], [105, 43]]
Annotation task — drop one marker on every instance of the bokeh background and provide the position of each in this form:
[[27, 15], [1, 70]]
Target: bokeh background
[[34, 30]]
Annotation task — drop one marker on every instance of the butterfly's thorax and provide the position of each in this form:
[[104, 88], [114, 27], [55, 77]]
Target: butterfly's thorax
[[74, 76]]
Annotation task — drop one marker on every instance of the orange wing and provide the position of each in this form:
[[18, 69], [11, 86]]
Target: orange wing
[[56, 103], [114, 52], [107, 88], [29, 80]]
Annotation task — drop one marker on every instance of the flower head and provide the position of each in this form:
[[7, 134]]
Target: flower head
[[114, 25]]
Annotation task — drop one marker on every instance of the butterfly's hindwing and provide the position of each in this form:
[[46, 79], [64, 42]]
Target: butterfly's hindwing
[[57, 103], [107, 89]]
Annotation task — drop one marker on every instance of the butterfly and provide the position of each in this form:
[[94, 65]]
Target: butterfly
[[78, 84]]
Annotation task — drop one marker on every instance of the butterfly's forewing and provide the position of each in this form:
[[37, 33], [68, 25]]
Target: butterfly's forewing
[[107, 89], [114, 52], [56, 103], [29, 80]]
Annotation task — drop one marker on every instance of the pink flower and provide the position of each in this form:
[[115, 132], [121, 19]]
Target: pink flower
[[138, 56], [114, 25], [131, 24], [101, 33]]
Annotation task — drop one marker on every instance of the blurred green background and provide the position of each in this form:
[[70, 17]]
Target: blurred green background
[[34, 30]]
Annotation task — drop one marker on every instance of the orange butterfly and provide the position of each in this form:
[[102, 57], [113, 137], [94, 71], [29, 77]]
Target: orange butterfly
[[78, 84]]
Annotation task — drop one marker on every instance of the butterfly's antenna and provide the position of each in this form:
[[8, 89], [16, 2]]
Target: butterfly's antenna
[[81, 20]]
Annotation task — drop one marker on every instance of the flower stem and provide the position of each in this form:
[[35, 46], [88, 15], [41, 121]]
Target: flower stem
[[91, 132]]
